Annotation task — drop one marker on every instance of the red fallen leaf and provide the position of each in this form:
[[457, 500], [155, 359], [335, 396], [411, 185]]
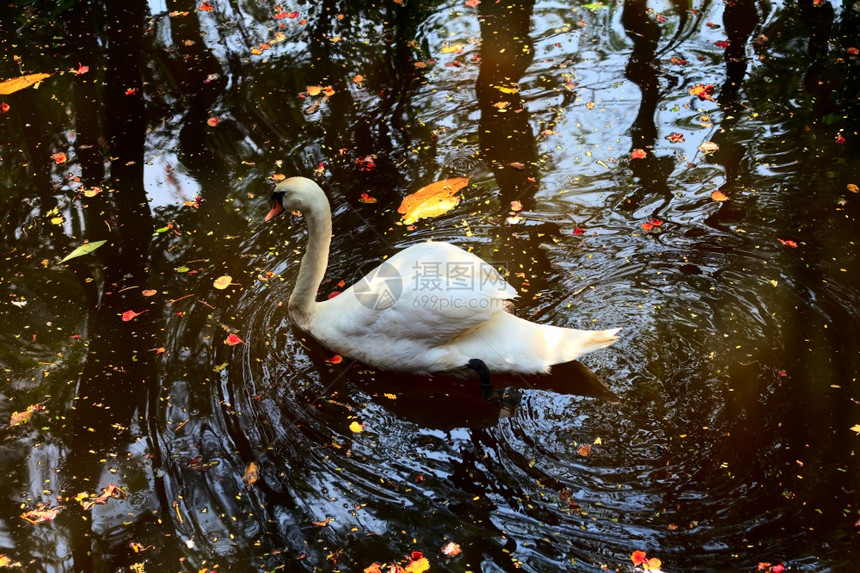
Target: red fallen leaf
[[649, 226], [472, 3], [59, 158], [762, 566], [638, 154], [336, 359], [787, 243], [334, 294], [81, 70], [131, 91], [4, 107], [839, 138], [852, 50], [365, 198], [778, 568], [233, 340], [578, 231], [721, 44], [201, 465], [213, 121], [782, 373], [638, 557], [206, 7], [281, 15], [675, 137], [130, 315]]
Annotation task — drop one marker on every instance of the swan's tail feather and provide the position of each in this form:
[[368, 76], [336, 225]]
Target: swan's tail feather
[[581, 342]]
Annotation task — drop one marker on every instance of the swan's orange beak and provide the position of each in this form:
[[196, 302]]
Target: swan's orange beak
[[277, 209]]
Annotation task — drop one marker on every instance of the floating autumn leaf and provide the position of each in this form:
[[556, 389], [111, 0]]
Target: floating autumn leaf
[[233, 340], [222, 282], [709, 147], [584, 450], [703, 92], [201, 465], [638, 154], [251, 475], [853, 188], [451, 549], [81, 70], [417, 563], [110, 491], [213, 121], [6, 562], [90, 192], [43, 513], [652, 225], [19, 418], [314, 90], [638, 557], [130, 315], [855, 428], [21, 82], [719, 196], [84, 249], [205, 7], [675, 137], [59, 158], [516, 206], [787, 242], [358, 78], [455, 49], [472, 3], [365, 198], [432, 200], [356, 428], [4, 107]]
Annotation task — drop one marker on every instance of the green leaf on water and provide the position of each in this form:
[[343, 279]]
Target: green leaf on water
[[594, 6], [84, 250]]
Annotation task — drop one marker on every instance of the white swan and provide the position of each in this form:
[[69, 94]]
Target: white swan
[[432, 307]]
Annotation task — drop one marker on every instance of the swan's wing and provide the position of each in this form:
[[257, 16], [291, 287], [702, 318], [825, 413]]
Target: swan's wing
[[430, 292]]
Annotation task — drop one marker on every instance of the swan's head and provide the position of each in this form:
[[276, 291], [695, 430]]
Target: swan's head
[[296, 194]]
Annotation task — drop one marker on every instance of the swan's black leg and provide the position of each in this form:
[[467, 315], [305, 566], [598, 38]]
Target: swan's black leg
[[487, 390]]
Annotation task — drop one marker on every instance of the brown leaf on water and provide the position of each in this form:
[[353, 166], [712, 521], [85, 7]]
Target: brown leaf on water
[[21, 82], [251, 475], [432, 200], [19, 418], [584, 450]]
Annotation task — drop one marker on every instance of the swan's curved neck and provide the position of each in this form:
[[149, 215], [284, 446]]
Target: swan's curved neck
[[302, 305]]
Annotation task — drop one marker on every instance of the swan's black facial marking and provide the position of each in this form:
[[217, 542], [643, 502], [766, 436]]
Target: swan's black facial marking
[[277, 206]]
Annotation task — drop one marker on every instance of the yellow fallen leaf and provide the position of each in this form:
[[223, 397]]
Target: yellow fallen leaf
[[19, 83], [251, 475], [356, 428], [222, 282], [856, 428], [314, 90], [417, 566], [432, 200]]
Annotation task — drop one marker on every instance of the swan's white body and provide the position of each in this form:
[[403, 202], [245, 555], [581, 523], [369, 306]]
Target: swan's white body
[[430, 308]]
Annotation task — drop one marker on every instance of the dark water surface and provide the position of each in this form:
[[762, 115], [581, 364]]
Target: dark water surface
[[730, 443]]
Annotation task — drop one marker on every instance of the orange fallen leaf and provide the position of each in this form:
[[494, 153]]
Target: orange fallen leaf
[[417, 563], [432, 200], [19, 418], [584, 450], [21, 82], [638, 557], [719, 196], [709, 147], [213, 121], [251, 475], [638, 154], [148, 292], [6, 562], [314, 90], [222, 282], [59, 158], [451, 549], [652, 564], [130, 315], [43, 513]]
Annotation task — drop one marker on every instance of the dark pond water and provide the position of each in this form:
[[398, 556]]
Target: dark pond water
[[728, 442]]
